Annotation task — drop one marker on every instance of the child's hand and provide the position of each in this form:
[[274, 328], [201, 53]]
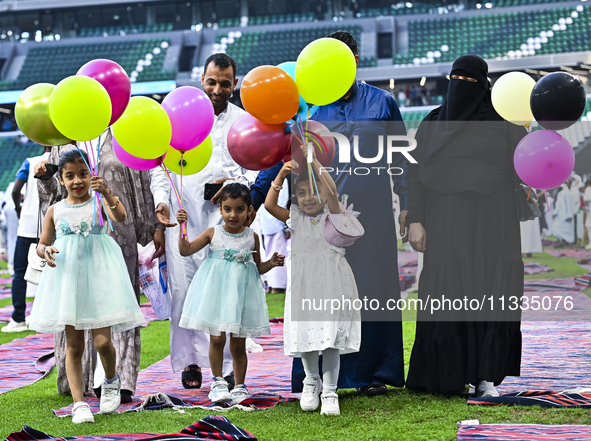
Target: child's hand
[[277, 259], [286, 169], [181, 215], [48, 252], [98, 185]]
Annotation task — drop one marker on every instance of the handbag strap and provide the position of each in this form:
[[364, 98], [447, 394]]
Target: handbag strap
[[38, 223]]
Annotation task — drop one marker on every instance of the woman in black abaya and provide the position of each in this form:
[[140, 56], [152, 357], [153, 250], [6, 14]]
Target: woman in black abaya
[[463, 217]]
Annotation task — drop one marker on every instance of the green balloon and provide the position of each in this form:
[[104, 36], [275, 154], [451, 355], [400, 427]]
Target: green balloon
[[80, 107], [194, 160], [32, 116]]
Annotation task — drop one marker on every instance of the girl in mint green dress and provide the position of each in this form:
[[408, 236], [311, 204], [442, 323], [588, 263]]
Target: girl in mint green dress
[[226, 297], [85, 284]]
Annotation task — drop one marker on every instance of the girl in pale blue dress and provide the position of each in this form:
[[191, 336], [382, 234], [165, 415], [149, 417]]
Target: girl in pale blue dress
[[226, 294], [87, 285]]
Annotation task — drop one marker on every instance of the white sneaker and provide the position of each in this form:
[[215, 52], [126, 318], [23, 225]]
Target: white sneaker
[[219, 392], [330, 404], [486, 389], [239, 394], [13, 326], [110, 396], [309, 401], [81, 413]]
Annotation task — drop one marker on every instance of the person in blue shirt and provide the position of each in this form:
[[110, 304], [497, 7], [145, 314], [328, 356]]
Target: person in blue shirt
[[368, 112]]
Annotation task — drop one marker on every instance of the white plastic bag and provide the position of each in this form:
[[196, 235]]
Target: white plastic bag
[[153, 281]]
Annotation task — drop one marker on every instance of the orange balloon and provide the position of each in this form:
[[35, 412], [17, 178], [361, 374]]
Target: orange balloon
[[270, 95]]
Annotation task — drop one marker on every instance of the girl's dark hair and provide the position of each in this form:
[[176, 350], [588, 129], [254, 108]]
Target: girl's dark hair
[[71, 156], [304, 176], [236, 191]]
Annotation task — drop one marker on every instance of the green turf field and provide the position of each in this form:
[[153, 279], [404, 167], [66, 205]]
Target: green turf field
[[402, 415]]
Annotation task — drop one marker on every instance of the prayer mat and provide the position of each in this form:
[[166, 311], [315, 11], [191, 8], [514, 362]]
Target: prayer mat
[[25, 360], [504, 432], [268, 380], [207, 429]]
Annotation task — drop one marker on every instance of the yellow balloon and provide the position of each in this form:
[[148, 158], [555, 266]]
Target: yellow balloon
[[510, 97], [144, 129], [325, 71], [194, 160], [32, 115], [80, 108]]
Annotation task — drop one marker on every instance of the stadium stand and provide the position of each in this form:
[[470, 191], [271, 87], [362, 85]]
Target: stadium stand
[[513, 34], [106, 31], [12, 155], [51, 64]]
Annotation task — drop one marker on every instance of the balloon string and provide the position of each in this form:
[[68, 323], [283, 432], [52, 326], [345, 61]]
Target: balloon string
[[178, 197], [315, 184], [98, 146], [528, 193], [547, 204], [90, 170], [171, 182], [323, 178], [297, 137], [183, 225]]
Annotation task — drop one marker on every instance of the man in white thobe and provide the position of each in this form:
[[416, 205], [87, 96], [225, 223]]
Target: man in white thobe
[[219, 80], [563, 226]]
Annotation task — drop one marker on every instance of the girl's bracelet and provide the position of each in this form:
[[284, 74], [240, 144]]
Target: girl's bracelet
[[276, 187], [116, 203]]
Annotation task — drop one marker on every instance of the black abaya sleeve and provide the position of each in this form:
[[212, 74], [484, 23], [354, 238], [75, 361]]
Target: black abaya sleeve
[[417, 200]]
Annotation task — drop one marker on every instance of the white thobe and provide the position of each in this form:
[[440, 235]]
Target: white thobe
[[190, 347], [563, 228], [531, 239]]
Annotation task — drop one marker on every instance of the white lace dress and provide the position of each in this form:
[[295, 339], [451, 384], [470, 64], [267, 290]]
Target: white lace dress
[[226, 294], [319, 276]]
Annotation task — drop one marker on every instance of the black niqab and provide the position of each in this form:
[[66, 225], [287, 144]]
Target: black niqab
[[465, 143]]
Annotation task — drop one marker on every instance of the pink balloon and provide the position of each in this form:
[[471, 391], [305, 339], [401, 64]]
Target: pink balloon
[[191, 115], [135, 163], [324, 146], [113, 78], [544, 159], [255, 145]]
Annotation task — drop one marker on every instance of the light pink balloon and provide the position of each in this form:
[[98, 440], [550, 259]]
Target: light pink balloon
[[255, 145], [544, 160], [134, 162], [191, 114]]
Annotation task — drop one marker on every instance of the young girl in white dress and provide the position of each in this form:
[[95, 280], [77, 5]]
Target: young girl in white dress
[[87, 285], [226, 296], [318, 273]]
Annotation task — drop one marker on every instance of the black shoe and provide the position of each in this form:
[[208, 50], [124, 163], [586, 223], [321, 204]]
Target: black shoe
[[126, 396], [231, 381]]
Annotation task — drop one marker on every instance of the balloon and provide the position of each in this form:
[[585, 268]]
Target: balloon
[[325, 71], [80, 108], [324, 146], [269, 94], [144, 130], [510, 97], [544, 159], [194, 160], [133, 162], [255, 145], [304, 111], [191, 115], [558, 100], [114, 79], [32, 115]]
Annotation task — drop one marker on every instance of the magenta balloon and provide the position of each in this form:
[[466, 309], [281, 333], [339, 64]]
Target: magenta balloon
[[134, 162], [544, 159], [191, 115], [255, 145], [113, 78]]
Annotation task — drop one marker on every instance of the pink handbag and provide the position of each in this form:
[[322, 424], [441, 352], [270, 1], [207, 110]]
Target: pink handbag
[[342, 230]]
